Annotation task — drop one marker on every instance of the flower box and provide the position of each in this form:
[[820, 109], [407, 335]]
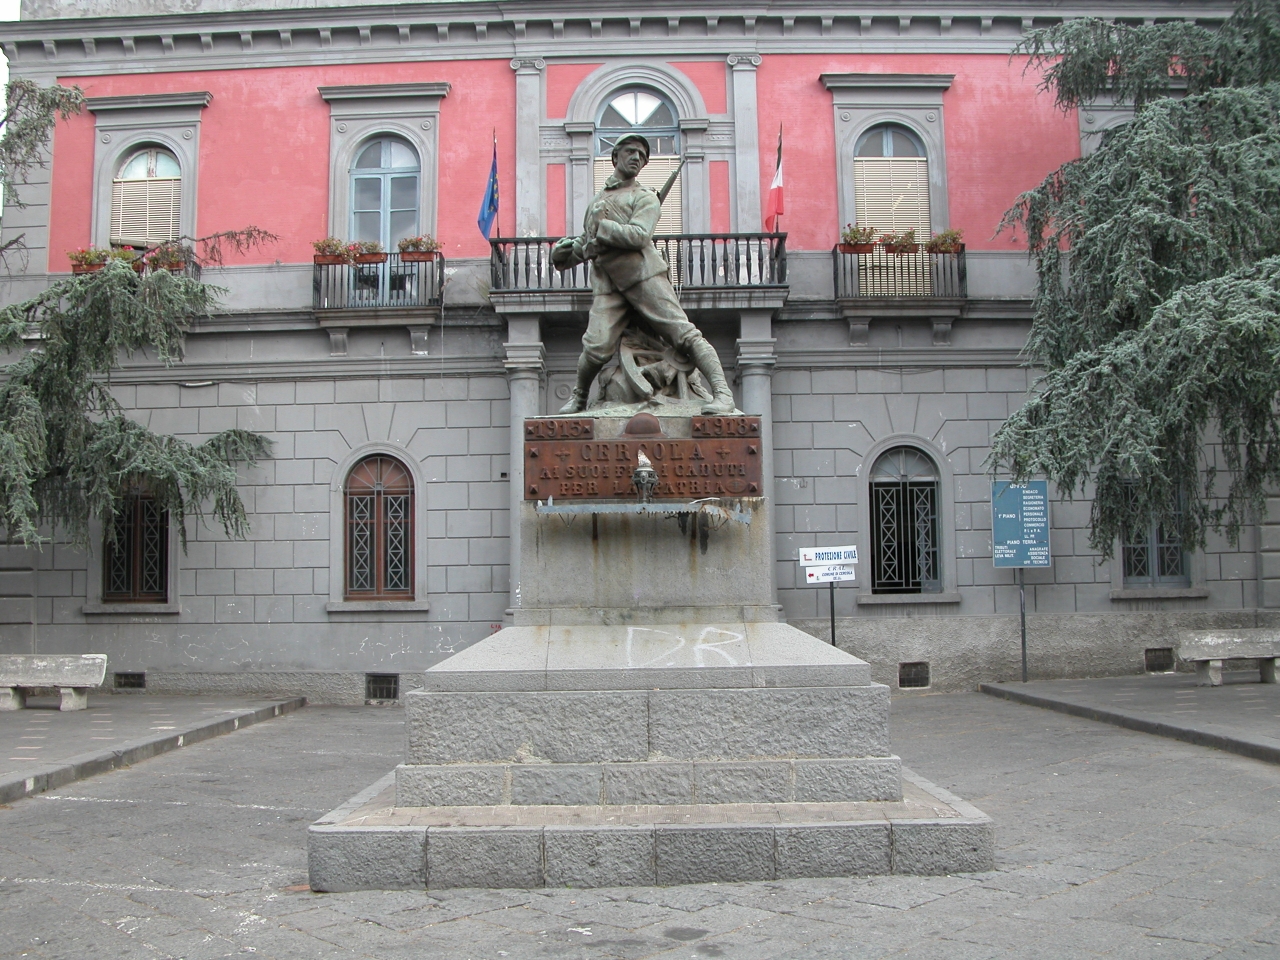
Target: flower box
[[329, 259], [86, 267], [371, 258], [902, 248], [417, 256], [856, 247]]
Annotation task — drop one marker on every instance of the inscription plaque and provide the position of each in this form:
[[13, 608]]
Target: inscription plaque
[[722, 462]]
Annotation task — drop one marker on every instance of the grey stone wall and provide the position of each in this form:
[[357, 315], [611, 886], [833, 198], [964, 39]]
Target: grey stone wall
[[262, 604]]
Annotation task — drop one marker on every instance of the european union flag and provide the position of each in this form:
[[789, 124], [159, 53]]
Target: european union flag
[[489, 206]]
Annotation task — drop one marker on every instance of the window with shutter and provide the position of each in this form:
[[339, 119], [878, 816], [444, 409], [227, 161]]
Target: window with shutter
[[891, 194], [146, 199]]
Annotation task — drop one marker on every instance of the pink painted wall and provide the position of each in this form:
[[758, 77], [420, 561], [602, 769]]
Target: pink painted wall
[[718, 173], [556, 200], [562, 79], [1002, 137], [709, 77], [264, 152]]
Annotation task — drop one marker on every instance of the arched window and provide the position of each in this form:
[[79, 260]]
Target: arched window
[[384, 191], [648, 113], [378, 501], [904, 523], [145, 198], [891, 181]]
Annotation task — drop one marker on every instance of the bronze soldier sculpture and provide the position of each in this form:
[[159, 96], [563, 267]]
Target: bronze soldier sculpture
[[630, 277]]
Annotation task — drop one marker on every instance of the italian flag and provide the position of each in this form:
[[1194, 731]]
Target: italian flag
[[773, 207]]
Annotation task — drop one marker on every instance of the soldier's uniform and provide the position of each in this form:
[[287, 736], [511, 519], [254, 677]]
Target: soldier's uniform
[[630, 275]]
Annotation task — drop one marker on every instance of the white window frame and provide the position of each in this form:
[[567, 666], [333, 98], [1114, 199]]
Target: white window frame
[[124, 125]]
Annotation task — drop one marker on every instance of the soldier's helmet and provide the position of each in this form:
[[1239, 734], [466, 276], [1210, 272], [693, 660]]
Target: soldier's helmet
[[628, 137]]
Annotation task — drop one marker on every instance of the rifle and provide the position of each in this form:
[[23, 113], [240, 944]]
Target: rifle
[[671, 181]]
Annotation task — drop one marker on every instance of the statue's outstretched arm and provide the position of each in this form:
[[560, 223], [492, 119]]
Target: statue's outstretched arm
[[637, 233]]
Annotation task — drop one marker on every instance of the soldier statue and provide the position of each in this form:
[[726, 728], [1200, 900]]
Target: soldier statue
[[631, 279]]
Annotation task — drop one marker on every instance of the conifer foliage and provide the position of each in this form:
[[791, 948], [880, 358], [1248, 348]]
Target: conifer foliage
[[68, 449], [1157, 316]]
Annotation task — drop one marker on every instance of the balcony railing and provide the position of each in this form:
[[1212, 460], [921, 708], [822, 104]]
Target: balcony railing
[[698, 260], [391, 283], [884, 274]]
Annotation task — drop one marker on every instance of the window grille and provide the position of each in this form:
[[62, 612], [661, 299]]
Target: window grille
[[913, 674], [1158, 659], [379, 515], [382, 686], [130, 681], [135, 563], [1153, 556], [904, 522]]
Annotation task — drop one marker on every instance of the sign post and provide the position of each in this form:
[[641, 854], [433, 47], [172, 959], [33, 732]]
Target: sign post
[[1020, 536], [829, 565]]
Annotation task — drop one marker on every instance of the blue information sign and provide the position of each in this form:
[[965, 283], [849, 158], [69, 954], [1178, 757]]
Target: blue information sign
[[1020, 523]]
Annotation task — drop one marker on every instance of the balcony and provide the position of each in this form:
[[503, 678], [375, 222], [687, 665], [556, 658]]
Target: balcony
[[394, 292], [885, 285], [720, 271]]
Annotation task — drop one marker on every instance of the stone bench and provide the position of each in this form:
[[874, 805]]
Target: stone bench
[[71, 675], [1207, 650]]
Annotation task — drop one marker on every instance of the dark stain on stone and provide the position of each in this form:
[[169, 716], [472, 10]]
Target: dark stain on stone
[[684, 934]]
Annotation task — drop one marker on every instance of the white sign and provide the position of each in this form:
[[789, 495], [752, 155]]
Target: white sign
[[829, 573], [819, 556]]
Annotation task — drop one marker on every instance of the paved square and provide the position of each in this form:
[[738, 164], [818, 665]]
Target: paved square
[[1109, 843]]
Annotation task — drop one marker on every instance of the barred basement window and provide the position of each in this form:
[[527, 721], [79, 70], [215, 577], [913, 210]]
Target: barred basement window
[[379, 523], [145, 199], [1158, 659], [913, 674], [130, 681], [135, 560], [904, 523], [382, 686]]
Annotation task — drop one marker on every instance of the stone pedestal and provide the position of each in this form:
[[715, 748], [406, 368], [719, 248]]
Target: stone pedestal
[[645, 721]]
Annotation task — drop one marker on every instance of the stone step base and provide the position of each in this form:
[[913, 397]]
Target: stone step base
[[370, 843], [649, 782], [612, 726]]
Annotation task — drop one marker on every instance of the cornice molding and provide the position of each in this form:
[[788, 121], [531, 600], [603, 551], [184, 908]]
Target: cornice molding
[[149, 101], [881, 81], [385, 91], [533, 30]]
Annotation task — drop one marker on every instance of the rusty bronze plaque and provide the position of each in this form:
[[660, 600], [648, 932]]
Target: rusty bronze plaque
[[600, 469], [583, 428]]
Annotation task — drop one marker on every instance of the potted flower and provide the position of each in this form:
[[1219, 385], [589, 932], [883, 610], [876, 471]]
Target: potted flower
[[855, 239], [88, 259], [900, 242], [418, 249], [167, 256], [367, 251], [948, 241], [330, 251], [127, 255]]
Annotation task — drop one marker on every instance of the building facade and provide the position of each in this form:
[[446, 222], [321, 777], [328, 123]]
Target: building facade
[[393, 391]]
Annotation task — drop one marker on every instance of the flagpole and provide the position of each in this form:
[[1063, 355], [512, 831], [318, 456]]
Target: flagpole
[[497, 220]]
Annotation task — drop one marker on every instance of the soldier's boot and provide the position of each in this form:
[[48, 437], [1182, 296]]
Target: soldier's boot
[[587, 370], [708, 363]]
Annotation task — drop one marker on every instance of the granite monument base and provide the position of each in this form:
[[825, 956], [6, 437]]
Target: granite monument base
[[646, 719]]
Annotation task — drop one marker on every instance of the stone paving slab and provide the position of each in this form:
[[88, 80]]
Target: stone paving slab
[[42, 748], [1111, 844], [1241, 716]]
